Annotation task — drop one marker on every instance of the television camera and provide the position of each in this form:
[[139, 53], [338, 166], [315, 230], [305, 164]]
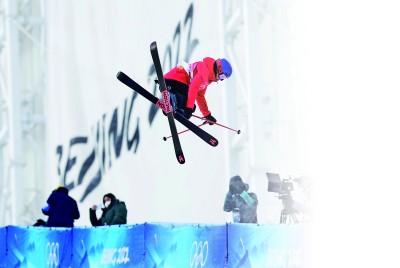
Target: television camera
[[284, 189]]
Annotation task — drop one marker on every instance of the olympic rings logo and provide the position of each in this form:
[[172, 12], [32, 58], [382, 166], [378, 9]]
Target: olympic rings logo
[[198, 254], [52, 254]]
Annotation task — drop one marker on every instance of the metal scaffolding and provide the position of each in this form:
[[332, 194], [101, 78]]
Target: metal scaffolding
[[22, 83], [248, 94], [258, 41]]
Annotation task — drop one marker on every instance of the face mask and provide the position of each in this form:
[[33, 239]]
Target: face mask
[[107, 203]]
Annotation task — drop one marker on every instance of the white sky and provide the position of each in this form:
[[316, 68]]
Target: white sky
[[351, 76]]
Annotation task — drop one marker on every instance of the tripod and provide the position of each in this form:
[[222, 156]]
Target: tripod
[[288, 213]]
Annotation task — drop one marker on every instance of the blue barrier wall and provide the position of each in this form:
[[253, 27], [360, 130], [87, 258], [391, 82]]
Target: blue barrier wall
[[109, 246], [253, 245], [185, 245], [3, 241], [156, 245]]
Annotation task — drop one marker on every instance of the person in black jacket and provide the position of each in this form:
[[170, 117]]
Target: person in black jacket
[[114, 212], [242, 204], [61, 209]]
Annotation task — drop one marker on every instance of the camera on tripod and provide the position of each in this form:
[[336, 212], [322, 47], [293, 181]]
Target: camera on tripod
[[284, 188], [276, 185]]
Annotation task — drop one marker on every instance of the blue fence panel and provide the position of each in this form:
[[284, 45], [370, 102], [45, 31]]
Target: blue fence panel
[[270, 246], [39, 247], [157, 245], [174, 245], [3, 242], [109, 246]]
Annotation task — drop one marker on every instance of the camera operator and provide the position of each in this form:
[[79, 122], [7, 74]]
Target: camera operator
[[242, 204]]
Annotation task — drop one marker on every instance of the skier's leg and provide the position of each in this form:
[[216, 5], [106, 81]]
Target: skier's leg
[[181, 103], [178, 95], [172, 99]]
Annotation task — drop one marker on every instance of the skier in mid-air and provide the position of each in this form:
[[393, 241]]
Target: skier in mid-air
[[188, 84]]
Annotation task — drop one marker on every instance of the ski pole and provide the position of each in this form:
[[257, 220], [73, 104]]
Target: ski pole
[[183, 131], [209, 121]]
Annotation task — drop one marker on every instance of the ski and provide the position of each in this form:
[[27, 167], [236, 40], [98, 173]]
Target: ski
[[181, 119], [167, 104]]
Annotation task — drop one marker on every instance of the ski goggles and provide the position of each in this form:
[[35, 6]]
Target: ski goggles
[[222, 76]]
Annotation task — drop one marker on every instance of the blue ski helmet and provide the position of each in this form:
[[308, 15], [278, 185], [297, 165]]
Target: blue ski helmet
[[226, 67], [223, 69]]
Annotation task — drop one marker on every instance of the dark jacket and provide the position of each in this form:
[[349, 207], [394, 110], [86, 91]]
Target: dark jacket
[[63, 209], [115, 213], [238, 197]]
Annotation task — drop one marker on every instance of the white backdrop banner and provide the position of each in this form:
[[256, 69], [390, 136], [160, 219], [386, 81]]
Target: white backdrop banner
[[104, 138]]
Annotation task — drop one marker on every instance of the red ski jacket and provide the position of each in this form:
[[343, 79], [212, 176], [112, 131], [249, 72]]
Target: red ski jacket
[[198, 77]]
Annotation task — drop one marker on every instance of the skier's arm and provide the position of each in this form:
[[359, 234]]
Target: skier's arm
[[193, 90], [201, 76], [202, 102]]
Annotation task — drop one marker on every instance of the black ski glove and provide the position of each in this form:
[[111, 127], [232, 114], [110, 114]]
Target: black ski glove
[[188, 113], [210, 118]]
